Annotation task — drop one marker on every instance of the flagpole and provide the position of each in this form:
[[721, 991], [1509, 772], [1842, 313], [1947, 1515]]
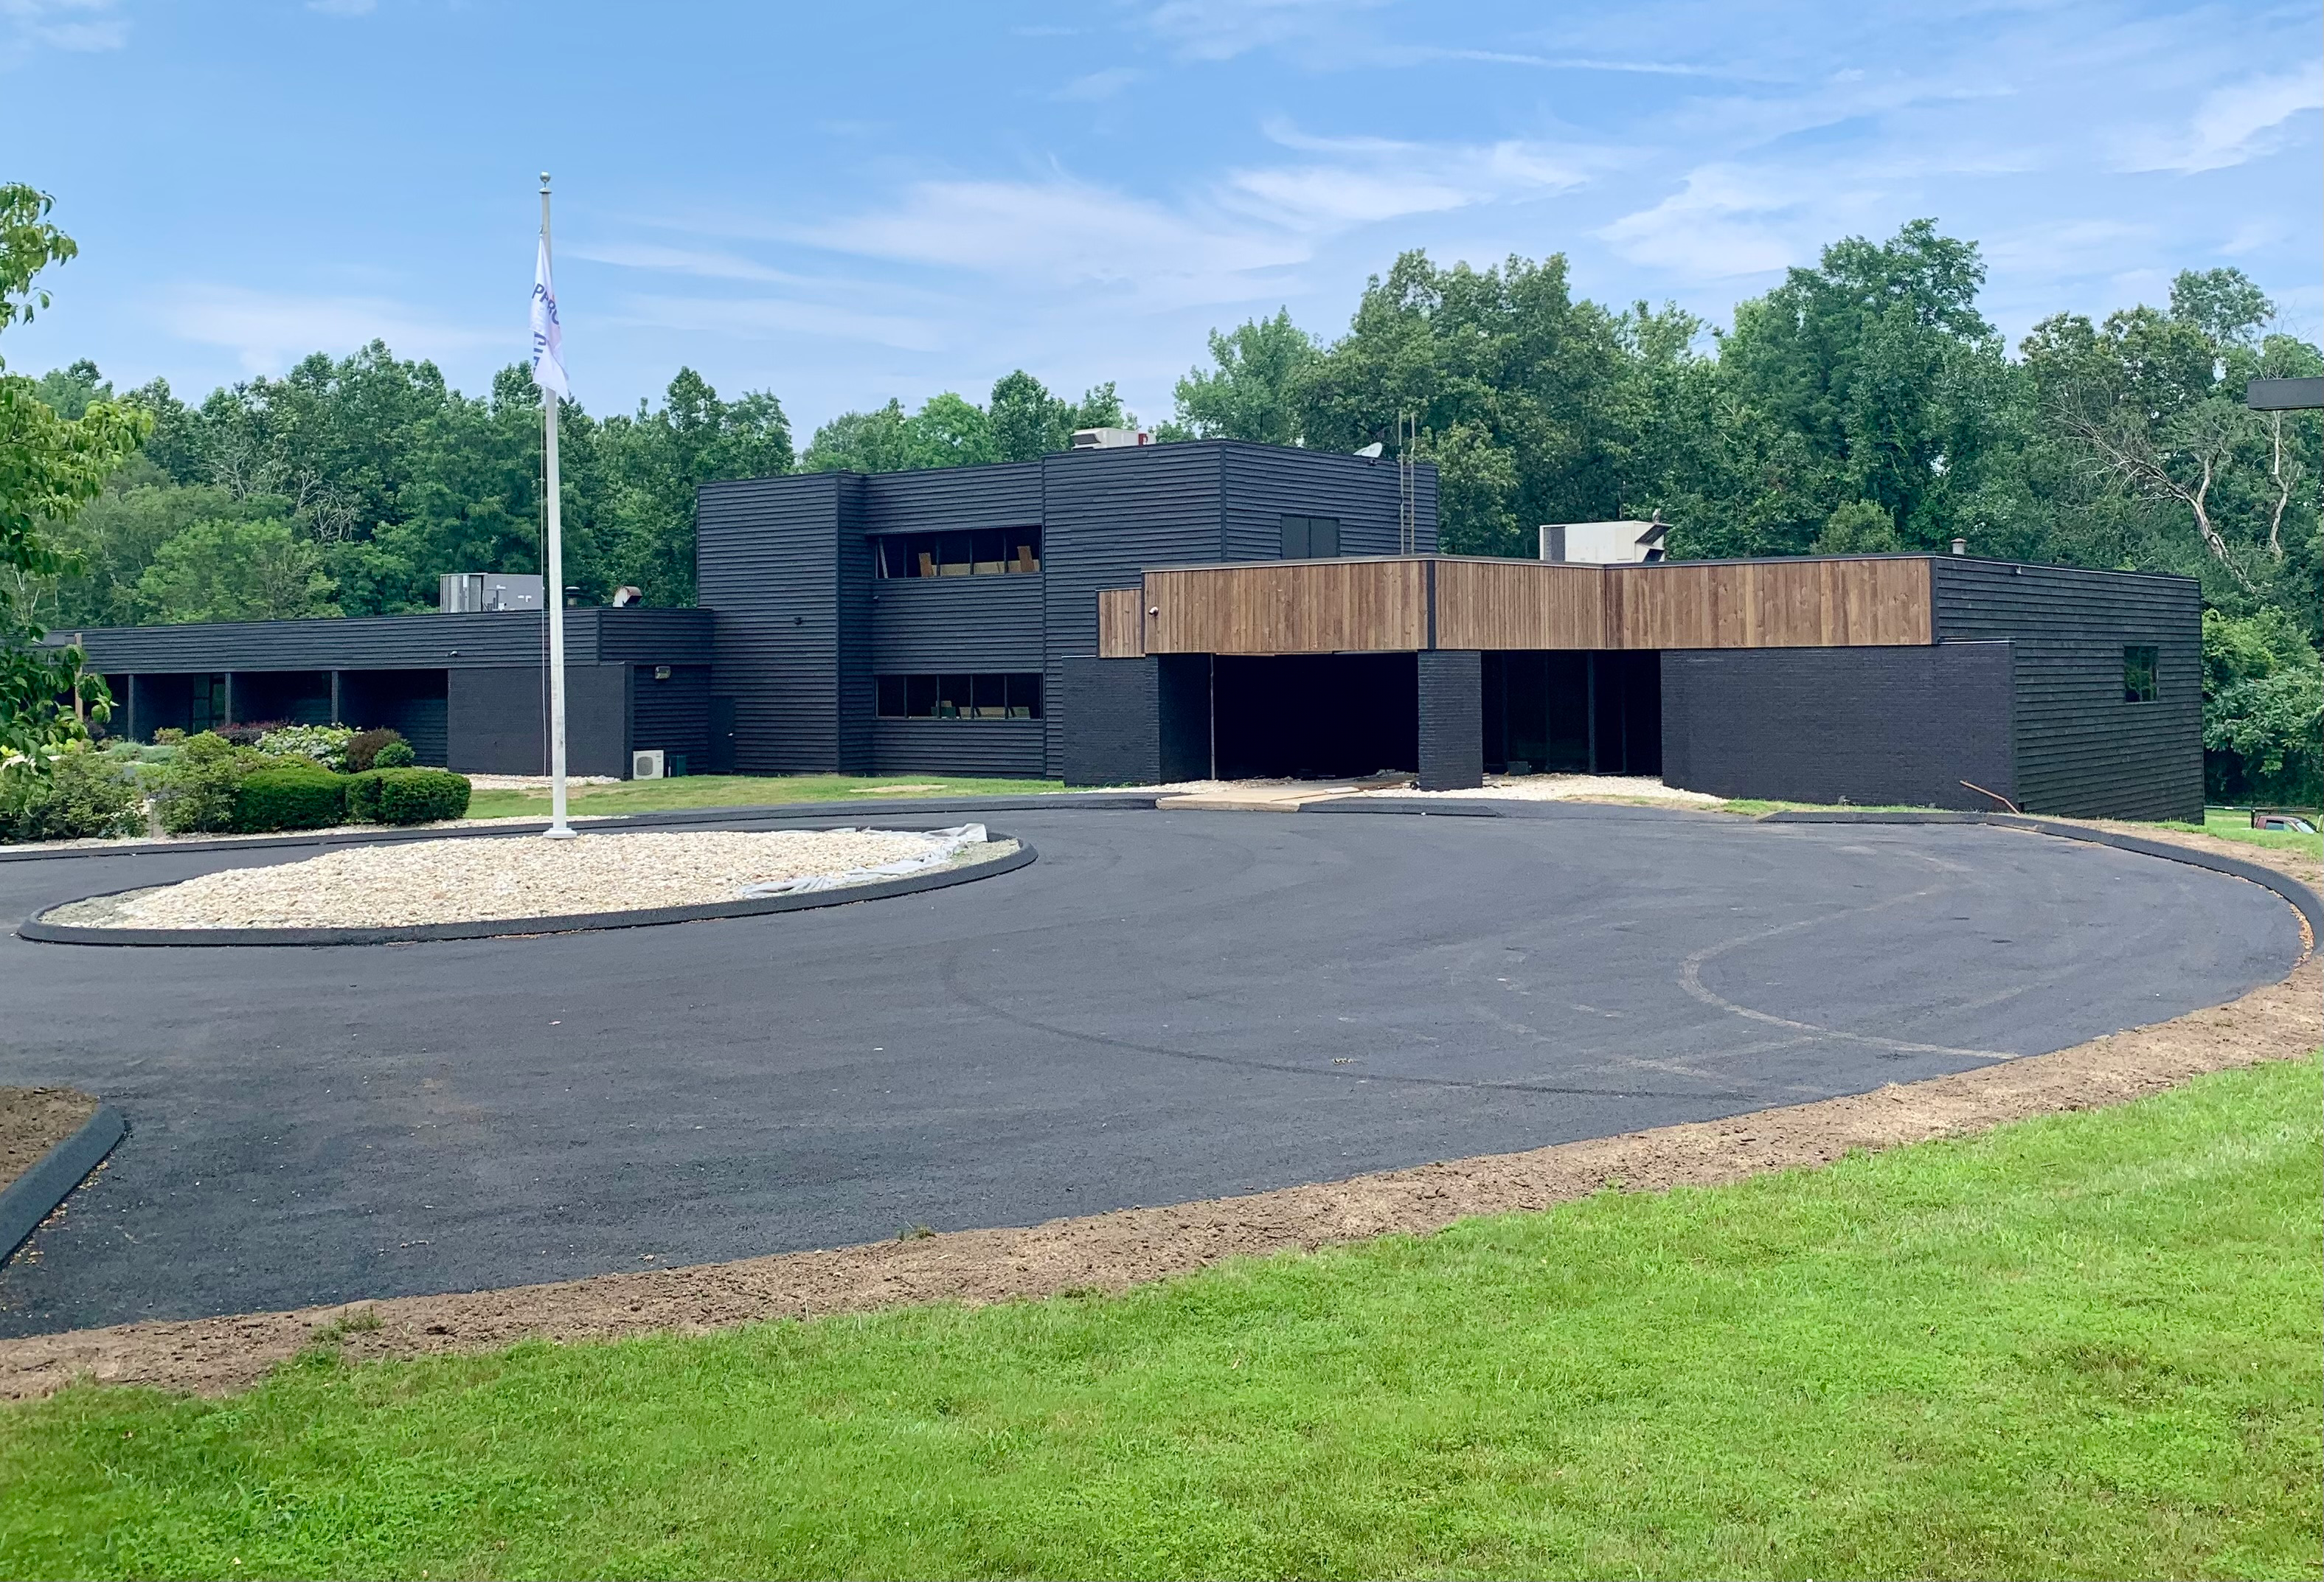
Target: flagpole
[[558, 830]]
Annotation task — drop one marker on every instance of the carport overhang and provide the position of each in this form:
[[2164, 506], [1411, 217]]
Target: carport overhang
[[1451, 611]]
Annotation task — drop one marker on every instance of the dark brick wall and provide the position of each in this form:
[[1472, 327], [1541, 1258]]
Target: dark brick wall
[[493, 720], [1115, 707], [1451, 720], [1862, 725], [2083, 750]]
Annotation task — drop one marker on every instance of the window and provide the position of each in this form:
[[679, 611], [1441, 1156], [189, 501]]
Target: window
[[2138, 674], [1310, 538], [958, 697], [991, 552]]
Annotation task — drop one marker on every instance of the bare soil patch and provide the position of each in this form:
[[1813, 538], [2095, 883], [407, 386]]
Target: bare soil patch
[[33, 1120]]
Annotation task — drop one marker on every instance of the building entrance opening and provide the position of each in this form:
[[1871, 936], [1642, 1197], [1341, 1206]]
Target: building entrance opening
[[1573, 712], [1314, 716]]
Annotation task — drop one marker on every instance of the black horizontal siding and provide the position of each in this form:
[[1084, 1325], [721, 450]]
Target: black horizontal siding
[[1263, 483], [1003, 495], [673, 716], [2082, 751], [1108, 515], [1005, 749], [398, 643], [641, 636], [956, 623], [766, 553]]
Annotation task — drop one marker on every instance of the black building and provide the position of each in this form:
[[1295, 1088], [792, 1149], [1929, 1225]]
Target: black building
[[1146, 614]]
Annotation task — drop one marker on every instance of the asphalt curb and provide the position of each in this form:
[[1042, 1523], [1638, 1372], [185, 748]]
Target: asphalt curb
[[37, 1193], [1102, 802], [910, 884], [2304, 901]]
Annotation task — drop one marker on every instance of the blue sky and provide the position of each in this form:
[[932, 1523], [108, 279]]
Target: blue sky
[[843, 203]]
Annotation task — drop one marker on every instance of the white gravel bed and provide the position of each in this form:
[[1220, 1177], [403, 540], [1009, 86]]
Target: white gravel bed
[[422, 882]]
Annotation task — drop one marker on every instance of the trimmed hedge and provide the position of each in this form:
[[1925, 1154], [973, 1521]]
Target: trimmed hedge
[[406, 796], [292, 798]]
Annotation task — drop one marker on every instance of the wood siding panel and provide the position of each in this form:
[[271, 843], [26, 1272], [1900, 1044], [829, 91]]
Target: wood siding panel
[[1289, 607], [1519, 604], [1121, 623], [1769, 604]]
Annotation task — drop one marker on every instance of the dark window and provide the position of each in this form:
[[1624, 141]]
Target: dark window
[[2138, 674], [991, 552], [1024, 697], [958, 697], [1310, 538]]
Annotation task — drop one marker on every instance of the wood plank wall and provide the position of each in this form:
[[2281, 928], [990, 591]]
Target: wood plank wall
[[1121, 623], [1382, 605], [1519, 604], [1769, 604], [1289, 607]]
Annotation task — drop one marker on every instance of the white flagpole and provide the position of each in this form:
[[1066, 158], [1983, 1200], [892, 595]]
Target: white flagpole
[[558, 830]]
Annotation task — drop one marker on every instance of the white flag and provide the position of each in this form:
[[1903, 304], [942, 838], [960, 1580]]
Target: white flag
[[548, 334]]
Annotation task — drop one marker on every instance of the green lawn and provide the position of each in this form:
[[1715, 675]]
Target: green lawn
[[2084, 1345], [2237, 826], [2228, 825], [746, 791]]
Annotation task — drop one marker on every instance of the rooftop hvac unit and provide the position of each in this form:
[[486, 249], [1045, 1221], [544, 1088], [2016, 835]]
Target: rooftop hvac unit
[[646, 766], [1110, 438], [464, 593]]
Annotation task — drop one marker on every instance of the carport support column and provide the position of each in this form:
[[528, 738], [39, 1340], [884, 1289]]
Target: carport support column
[[1451, 718], [338, 715]]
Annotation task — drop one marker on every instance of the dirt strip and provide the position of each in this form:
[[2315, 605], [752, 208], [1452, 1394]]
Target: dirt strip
[[2280, 1021], [33, 1120]]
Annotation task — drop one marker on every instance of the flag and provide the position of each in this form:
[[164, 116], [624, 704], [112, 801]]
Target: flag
[[548, 334]]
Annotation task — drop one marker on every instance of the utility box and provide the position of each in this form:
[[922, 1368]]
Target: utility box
[[647, 765]]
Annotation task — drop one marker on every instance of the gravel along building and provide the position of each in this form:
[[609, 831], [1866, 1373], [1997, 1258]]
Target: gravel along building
[[1127, 612]]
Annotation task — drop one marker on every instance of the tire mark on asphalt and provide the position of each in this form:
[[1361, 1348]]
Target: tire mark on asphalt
[[1690, 979]]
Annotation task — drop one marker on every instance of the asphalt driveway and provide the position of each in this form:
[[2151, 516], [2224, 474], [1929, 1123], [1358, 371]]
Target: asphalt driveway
[[1167, 1005]]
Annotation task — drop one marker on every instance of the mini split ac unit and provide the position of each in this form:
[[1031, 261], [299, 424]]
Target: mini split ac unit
[[646, 766]]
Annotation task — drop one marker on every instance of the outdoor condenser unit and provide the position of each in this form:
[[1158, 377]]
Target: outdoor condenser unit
[[646, 766]]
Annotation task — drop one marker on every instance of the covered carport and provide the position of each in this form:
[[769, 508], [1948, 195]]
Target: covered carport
[[1303, 716]]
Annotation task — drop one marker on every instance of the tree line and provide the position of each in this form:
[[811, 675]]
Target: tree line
[[1862, 405]]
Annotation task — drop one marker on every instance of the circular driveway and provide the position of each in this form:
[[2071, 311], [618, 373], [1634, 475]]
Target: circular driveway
[[1167, 1005]]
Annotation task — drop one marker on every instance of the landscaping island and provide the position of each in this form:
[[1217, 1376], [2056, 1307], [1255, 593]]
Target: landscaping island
[[419, 883]]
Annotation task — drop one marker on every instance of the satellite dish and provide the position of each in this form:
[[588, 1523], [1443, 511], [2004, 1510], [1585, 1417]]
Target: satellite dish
[[1372, 450]]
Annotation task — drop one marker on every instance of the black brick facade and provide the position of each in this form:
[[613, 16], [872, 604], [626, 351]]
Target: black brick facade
[[1870, 726]]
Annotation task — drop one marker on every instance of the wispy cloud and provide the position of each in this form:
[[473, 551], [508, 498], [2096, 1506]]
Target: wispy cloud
[[704, 264], [267, 331], [27, 25], [2235, 123], [1221, 241], [764, 317], [1098, 85], [1221, 30]]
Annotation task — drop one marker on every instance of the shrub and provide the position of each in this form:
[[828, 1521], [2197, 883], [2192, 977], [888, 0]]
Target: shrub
[[406, 796], [81, 796], [196, 788], [324, 744], [394, 755], [168, 736], [363, 747], [251, 733], [295, 796]]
